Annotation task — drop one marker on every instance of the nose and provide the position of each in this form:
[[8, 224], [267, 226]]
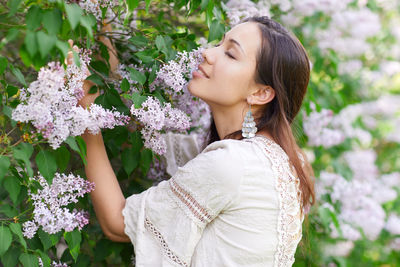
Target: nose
[[207, 55]]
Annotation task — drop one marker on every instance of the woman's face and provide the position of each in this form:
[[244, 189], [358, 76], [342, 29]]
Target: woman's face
[[227, 73]]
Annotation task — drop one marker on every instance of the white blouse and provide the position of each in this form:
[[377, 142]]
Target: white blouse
[[234, 204]]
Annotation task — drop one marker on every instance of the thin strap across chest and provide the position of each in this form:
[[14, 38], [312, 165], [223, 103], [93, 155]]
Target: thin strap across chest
[[287, 185]]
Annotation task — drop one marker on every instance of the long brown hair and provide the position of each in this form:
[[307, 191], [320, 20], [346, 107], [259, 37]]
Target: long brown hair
[[283, 64]]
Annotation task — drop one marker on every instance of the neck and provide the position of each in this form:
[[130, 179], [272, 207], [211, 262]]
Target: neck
[[228, 120]]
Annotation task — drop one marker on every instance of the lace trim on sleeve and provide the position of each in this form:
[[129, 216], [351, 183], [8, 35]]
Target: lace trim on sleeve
[[290, 218], [187, 201], [165, 248]]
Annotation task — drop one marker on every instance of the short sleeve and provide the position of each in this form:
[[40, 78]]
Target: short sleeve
[[166, 221]]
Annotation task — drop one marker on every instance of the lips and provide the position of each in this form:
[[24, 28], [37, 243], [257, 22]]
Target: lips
[[203, 72]]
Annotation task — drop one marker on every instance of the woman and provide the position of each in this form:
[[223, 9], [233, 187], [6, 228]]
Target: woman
[[240, 202]]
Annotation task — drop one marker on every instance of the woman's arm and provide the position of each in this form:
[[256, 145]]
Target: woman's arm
[[107, 197]]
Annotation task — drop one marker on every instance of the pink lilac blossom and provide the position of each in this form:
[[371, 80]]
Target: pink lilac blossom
[[51, 104], [348, 32], [155, 118], [328, 129], [317, 127], [393, 224], [58, 264], [94, 7], [395, 244], [50, 203], [339, 249], [240, 9], [360, 198]]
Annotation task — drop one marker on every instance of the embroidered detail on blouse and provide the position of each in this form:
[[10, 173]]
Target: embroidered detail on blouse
[[165, 248], [177, 151], [289, 194], [199, 212]]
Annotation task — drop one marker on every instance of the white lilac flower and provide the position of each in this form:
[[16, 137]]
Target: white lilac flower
[[58, 264], [50, 203], [240, 9], [393, 224], [348, 32], [94, 7], [51, 104], [155, 118], [317, 126]]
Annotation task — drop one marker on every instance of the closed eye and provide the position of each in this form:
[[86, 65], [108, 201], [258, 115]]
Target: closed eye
[[229, 55]]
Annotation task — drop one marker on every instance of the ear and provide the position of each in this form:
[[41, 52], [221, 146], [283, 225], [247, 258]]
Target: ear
[[262, 95]]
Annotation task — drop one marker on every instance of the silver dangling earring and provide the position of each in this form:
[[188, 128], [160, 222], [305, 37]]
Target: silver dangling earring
[[249, 128]]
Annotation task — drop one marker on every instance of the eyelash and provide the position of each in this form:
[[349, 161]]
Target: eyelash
[[226, 53]]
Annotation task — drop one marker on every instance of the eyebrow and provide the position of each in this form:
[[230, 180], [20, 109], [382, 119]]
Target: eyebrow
[[235, 42]]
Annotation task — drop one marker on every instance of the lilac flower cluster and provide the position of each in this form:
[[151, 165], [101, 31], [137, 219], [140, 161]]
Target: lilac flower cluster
[[173, 78], [50, 104], [155, 118], [94, 7], [326, 129], [53, 264], [360, 198], [50, 203], [317, 126]]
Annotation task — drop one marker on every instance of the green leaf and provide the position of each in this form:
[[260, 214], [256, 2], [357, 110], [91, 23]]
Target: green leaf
[[8, 210], [147, 5], [82, 145], [160, 43], [46, 42], [74, 14], [48, 240], [5, 239], [46, 164], [144, 56], [146, 156], [87, 22], [100, 66], [30, 43], [132, 4], [74, 146], [137, 76], [18, 74], [130, 160], [138, 99], [16, 229], [139, 40], [33, 17], [73, 239], [3, 64], [10, 258], [93, 89], [23, 152], [29, 260], [96, 79], [52, 21], [63, 47], [4, 165], [13, 4], [62, 157], [13, 187], [104, 52], [11, 90], [45, 258], [125, 85], [216, 30]]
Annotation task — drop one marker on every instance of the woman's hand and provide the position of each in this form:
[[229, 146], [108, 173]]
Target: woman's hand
[[87, 99]]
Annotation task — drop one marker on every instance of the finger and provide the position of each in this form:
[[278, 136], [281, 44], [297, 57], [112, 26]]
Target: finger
[[71, 42], [76, 49], [69, 58]]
